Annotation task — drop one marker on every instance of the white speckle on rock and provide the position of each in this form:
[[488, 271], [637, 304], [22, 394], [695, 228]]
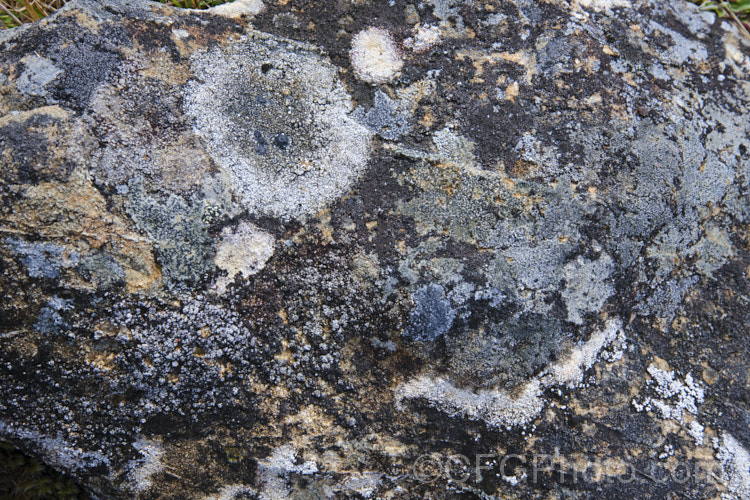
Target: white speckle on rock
[[425, 37], [180, 33], [143, 469], [273, 471], [604, 5], [375, 56], [231, 492], [244, 251]]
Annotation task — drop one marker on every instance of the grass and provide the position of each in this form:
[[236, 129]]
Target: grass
[[25, 478], [16, 12], [738, 10]]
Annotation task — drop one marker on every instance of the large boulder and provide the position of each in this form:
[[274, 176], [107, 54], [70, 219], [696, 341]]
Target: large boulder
[[378, 249]]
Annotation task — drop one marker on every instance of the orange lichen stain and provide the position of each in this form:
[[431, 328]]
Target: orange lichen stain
[[225, 369], [522, 168], [283, 315], [75, 211], [160, 66], [480, 58], [511, 92], [103, 361], [629, 78], [427, 120], [324, 226]]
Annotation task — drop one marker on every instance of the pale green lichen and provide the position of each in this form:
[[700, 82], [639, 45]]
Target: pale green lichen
[[179, 233]]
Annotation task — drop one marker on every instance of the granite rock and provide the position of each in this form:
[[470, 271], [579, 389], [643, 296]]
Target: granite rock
[[434, 249]]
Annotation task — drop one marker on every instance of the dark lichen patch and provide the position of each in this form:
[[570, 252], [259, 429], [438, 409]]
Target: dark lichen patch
[[93, 57], [27, 155]]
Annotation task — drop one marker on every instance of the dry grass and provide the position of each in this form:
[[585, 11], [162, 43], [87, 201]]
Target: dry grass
[[16, 12]]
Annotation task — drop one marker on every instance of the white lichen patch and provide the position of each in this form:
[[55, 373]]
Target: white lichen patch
[[243, 251], [57, 451], [604, 5], [143, 469], [273, 472], [362, 484], [425, 37], [238, 8], [735, 463], [500, 408], [277, 120], [39, 73], [676, 397], [374, 56], [231, 491]]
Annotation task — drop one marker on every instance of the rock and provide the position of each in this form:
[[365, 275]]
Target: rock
[[380, 250]]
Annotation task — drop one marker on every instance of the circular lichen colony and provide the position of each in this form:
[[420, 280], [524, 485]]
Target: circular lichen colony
[[276, 118]]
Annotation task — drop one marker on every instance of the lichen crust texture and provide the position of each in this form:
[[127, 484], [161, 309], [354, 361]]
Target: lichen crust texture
[[276, 118]]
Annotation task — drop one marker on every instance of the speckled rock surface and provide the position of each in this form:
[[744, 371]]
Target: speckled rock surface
[[360, 249]]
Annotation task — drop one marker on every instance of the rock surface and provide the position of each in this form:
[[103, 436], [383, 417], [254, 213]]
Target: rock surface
[[433, 249]]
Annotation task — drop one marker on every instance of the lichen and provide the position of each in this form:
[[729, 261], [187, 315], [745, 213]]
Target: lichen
[[179, 232], [243, 251], [277, 120], [374, 56]]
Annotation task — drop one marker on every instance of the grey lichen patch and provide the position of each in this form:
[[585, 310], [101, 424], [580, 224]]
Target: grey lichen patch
[[44, 259], [500, 408], [143, 132], [432, 316], [178, 230], [50, 320], [39, 73], [388, 117], [102, 270], [587, 286], [277, 120], [501, 355]]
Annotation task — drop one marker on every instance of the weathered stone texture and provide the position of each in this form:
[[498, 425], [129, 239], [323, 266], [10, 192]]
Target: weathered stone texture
[[315, 249]]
